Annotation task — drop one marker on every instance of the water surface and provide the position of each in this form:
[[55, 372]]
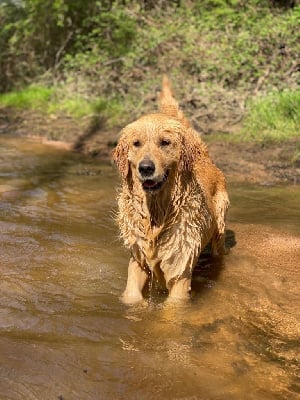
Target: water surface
[[64, 333]]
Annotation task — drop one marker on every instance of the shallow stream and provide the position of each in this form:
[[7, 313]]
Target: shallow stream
[[65, 334]]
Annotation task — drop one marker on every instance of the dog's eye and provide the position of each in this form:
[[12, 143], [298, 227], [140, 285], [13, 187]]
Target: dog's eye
[[165, 142], [137, 143]]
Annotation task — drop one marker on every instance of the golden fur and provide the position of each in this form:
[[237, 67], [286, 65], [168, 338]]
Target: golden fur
[[173, 200]]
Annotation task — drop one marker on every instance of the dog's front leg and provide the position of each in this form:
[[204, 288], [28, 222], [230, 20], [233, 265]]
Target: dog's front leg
[[179, 286], [136, 280], [180, 289], [221, 204], [178, 273]]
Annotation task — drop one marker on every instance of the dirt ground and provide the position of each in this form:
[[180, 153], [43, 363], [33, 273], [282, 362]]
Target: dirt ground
[[257, 163], [249, 162]]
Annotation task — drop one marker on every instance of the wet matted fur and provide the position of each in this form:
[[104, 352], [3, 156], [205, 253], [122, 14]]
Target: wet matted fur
[[173, 200]]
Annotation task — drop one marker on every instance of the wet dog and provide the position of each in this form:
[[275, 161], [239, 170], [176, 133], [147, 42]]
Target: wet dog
[[173, 200]]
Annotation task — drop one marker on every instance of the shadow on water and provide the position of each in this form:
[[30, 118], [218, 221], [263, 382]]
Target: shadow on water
[[209, 268]]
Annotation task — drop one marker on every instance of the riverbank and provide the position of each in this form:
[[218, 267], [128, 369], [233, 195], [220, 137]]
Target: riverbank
[[263, 163]]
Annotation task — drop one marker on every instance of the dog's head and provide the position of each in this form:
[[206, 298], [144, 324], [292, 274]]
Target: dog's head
[[152, 149]]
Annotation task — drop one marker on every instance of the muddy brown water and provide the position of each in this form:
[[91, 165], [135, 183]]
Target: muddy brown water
[[64, 333]]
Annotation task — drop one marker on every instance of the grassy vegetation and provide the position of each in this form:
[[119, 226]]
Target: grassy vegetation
[[274, 117], [226, 59], [46, 100], [54, 101], [32, 97]]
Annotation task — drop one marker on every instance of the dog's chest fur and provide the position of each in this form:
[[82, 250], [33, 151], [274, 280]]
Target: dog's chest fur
[[172, 237]]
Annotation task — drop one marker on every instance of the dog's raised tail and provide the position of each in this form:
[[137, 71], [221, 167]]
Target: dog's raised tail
[[168, 104]]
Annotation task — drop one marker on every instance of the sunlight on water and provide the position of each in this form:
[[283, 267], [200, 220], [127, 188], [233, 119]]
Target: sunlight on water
[[64, 333]]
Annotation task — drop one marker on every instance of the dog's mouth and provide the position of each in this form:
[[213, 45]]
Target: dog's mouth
[[152, 185]]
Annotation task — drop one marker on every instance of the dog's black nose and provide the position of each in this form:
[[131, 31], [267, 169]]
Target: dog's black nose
[[146, 168]]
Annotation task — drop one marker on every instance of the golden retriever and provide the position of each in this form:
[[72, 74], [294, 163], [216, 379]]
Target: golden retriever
[[173, 200]]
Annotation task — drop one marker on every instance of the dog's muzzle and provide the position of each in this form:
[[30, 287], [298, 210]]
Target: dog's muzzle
[[149, 181], [152, 185]]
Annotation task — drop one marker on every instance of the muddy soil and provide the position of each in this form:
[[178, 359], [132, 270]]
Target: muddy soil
[[257, 163], [265, 164]]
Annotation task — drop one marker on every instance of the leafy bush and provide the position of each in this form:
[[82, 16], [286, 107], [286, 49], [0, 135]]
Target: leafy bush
[[38, 34]]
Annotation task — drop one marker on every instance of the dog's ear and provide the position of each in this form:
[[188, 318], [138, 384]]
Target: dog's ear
[[120, 157], [190, 152]]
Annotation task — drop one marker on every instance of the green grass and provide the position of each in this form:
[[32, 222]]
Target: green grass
[[56, 101], [274, 117], [110, 109], [75, 107], [32, 97], [48, 100]]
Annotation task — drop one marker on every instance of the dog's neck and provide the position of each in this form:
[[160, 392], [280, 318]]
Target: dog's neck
[[160, 205], [156, 211], [159, 208]]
